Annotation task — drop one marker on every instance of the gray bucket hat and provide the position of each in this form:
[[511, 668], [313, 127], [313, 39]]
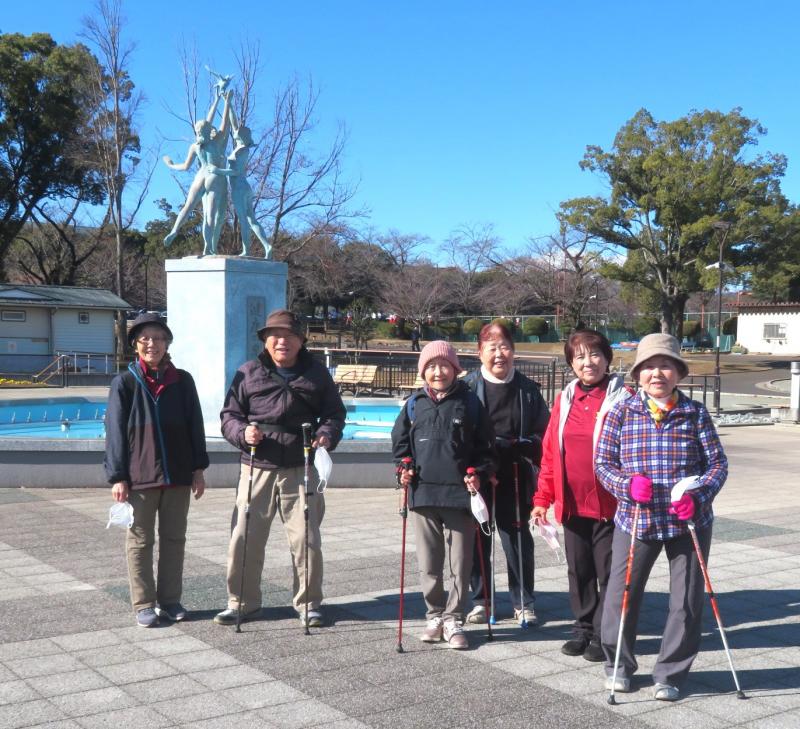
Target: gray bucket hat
[[144, 320], [659, 344]]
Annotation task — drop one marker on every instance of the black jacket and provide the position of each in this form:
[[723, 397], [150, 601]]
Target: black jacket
[[445, 438], [153, 442], [534, 413], [258, 393]]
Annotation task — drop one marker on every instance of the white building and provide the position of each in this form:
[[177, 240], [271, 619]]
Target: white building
[[38, 322], [769, 328]]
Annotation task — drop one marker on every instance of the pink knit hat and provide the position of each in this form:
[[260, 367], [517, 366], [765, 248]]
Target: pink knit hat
[[438, 348]]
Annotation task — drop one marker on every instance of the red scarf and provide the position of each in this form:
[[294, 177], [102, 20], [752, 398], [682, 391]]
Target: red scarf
[[157, 380]]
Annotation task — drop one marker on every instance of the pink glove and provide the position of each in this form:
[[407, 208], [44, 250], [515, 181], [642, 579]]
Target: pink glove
[[684, 508], [641, 489]]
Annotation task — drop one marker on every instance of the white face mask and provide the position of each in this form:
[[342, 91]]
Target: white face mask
[[324, 466], [550, 535], [480, 512], [682, 486], [120, 514]]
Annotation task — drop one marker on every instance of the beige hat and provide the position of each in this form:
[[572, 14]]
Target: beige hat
[[659, 344]]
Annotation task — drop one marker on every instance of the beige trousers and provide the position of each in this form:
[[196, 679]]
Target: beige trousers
[[171, 506], [275, 491]]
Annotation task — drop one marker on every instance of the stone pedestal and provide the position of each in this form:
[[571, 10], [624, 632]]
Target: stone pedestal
[[215, 305]]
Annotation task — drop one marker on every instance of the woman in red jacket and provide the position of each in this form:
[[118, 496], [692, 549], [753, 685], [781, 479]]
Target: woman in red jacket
[[567, 479]]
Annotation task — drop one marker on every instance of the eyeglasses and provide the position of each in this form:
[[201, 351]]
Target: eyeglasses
[[154, 340]]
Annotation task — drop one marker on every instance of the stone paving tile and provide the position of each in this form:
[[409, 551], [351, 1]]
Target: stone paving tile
[[44, 665], [122, 674], [240, 720], [28, 713], [110, 655], [199, 660], [308, 712], [67, 683], [136, 717], [166, 687], [228, 677], [13, 692], [195, 708], [259, 695], [93, 701]]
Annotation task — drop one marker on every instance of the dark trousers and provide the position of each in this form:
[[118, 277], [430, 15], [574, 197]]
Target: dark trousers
[[587, 544], [682, 631], [508, 528]]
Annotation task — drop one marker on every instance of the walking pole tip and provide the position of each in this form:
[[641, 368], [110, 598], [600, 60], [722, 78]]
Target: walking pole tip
[[612, 701]]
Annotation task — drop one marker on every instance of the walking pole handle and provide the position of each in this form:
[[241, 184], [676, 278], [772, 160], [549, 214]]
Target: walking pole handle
[[306, 435]]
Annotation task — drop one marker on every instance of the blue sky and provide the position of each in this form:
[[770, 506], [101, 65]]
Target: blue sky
[[462, 112]]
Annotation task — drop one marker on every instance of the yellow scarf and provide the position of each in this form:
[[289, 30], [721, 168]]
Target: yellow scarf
[[658, 413]]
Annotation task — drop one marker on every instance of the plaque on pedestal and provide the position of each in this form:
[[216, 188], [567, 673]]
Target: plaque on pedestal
[[215, 305]]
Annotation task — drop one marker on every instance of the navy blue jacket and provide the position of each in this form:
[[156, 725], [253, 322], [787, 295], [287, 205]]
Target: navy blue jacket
[[153, 441], [445, 438]]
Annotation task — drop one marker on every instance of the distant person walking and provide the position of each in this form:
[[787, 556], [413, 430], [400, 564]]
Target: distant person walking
[[415, 339], [155, 456]]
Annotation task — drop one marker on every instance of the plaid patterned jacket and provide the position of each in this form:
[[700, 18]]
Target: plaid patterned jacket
[[685, 444]]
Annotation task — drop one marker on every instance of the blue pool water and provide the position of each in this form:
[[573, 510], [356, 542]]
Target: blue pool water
[[82, 418]]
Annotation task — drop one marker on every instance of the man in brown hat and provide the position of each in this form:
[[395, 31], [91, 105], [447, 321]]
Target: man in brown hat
[[269, 400]]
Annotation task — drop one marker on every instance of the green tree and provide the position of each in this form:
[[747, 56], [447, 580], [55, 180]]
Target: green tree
[[670, 182], [43, 105]]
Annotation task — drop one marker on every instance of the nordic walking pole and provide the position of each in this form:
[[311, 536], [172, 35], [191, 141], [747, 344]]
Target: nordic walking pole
[[246, 526], [489, 637], [523, 623], [306, 452], [407, 465], [625, 597], [492, 619], [715, 607]]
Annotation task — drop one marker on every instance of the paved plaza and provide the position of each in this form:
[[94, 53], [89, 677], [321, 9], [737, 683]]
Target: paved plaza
[[71, 655]]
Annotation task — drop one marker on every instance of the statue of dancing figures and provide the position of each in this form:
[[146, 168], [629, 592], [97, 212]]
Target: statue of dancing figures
[[209, 148], [241, 192]]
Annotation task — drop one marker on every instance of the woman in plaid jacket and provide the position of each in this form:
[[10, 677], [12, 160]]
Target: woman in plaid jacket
[[648, 443]]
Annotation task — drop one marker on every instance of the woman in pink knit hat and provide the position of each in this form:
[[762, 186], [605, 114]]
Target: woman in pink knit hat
[[445, 430]]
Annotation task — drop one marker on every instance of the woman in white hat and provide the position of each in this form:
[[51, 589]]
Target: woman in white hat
[[648, 444]]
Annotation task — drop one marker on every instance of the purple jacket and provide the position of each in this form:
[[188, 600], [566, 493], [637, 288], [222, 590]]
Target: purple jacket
[[258, 393]]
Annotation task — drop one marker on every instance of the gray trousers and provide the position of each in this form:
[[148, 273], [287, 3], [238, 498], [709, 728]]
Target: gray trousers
[[171, 506], [682, 631], [436, 528]]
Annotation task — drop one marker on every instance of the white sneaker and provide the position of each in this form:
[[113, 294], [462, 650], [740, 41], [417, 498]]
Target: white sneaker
[[477, 615], [527, 614], [454, 635], [433, 631], [621, 686]]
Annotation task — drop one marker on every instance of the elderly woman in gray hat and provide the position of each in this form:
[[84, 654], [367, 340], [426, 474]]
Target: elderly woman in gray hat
[[155, 455], [649, 443]]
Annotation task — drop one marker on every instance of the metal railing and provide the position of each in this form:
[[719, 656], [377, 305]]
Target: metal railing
[[397, 371]]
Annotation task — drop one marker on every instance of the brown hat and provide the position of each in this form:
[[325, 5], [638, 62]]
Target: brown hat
[[144, 320], [438, 348], [659, 344], [283, 319]]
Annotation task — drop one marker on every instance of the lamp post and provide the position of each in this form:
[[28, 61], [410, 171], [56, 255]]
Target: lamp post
[[724, 227]]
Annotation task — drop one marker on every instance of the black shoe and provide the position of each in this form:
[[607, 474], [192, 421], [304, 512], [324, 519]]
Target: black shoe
[[230, 615], [594, 651], [576, 646]]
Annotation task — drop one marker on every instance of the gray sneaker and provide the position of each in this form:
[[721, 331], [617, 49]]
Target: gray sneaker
[[174, 612], [477, 615], [146, 618], [621, 686], [665, 692], [229, 616], [314, 618]]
